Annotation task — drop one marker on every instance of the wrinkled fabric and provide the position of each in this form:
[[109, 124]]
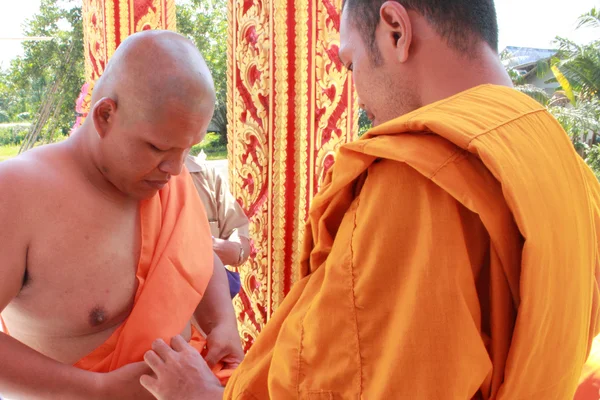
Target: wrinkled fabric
[[451, 253]]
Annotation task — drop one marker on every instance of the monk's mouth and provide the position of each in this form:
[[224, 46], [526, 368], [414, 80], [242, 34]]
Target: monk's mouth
[[156, 184]]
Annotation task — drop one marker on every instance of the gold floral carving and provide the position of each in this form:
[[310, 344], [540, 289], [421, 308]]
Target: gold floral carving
[[249, 118], [171, 20], [331, 80], [279, 135], [151, 19], [94, 43], [111, 30], [125, 18], [302, 131]]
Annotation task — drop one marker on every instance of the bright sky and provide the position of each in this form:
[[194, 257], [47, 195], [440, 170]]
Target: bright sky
[[527, 23]]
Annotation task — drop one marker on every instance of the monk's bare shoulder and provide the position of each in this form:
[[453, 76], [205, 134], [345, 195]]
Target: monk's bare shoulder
[[22, 173], [26, 180]]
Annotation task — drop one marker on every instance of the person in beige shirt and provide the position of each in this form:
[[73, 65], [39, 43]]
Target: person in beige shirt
[[228, 222]]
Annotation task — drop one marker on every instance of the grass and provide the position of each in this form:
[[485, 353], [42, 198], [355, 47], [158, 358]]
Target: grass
[[9, 151], [212, 148]]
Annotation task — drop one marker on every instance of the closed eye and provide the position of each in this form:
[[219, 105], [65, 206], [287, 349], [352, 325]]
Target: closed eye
[[153, 147]]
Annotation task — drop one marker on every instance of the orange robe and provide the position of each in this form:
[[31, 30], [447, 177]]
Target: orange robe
[[452, 253]]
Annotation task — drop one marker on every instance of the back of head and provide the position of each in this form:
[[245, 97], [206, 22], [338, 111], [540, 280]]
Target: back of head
[[462, 23]]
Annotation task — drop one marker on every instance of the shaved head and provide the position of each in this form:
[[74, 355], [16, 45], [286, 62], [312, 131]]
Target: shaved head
[[151, 68]]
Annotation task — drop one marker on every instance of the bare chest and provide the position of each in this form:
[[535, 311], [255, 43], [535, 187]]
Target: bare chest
[[81, 267]]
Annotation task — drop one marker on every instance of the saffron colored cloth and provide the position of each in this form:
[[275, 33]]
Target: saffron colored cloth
[[451, 253]]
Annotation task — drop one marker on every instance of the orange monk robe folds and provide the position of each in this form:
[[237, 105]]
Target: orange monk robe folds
[[451, 254], [175, 266]]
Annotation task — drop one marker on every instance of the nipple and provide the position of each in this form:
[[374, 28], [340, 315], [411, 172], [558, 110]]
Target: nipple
[[97, 316]]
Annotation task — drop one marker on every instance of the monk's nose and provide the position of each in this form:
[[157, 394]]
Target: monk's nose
[[172, 166]]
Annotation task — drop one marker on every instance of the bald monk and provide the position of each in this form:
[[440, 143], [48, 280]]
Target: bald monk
[[101, 249], [452, 252]]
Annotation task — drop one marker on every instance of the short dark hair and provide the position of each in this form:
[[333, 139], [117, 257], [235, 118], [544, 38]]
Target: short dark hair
[[460, 22]]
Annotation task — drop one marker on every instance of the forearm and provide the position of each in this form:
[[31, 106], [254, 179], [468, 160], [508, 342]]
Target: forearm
[[27, 374], [216, 307], [229, 250]]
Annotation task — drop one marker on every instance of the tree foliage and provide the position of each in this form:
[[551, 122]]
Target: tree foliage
[[27, 81], [205, 23], [24, 85], [576, 105]]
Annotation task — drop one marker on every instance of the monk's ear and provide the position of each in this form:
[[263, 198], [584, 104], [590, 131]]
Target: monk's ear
[[103, 115], [395, 30]]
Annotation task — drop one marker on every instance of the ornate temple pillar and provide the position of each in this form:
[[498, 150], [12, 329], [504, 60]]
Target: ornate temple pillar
[[106, 23], [291, 105]]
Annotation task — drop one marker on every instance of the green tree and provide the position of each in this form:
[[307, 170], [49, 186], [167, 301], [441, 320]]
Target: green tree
[[577, 70], [576, 105], [364, 124], [205, 23], [26, 84], [28, 80]]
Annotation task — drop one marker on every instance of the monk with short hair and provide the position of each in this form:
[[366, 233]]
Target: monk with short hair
[[452, 252], [105, 245]]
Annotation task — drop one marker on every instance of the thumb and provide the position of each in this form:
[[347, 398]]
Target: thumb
[[136, 369], [213, 355], [150, 384]]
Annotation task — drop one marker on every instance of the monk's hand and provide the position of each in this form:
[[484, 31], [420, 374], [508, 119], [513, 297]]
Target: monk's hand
[[180, 373], [124, 383], [224, 346]]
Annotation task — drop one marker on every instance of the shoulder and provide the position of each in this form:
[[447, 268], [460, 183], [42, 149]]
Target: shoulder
[[395, 190], [17, 191], [196, 166], [24, 178], [394, 176], [17, 174]]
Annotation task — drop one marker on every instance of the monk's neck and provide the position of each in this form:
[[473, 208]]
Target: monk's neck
[[79, 145], [452, 74]]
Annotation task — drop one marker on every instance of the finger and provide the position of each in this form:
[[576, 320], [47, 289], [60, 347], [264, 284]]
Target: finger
[[140, 367], [153, 361], [179, 344], [160, 347], [201, 365], [214, 355], [150, 384], [230, 362]]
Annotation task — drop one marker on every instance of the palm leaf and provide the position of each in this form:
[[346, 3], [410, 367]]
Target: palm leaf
[[590, 19], [536, 93], [564, 82]]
